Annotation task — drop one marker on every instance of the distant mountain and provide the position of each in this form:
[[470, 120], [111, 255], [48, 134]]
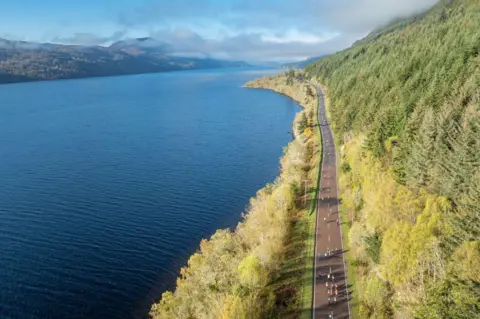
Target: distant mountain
[[302, 64], [22, 61]]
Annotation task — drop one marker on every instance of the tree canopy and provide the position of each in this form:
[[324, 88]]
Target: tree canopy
[[405, 103]]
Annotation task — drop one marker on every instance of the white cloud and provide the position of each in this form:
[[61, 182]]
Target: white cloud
[[251, 46], [270, 30], [90, 39], [255, 30], [295, 36]]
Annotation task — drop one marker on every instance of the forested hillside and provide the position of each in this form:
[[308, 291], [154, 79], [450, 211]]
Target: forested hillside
[[22, 61], [405, 106]]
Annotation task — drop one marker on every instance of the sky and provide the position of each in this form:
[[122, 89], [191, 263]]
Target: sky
[[249, 30]]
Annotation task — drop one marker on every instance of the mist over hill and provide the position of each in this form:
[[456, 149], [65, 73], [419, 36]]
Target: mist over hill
[[303, 63]]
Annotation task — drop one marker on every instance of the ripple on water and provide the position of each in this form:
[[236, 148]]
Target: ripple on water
[[109, 184]]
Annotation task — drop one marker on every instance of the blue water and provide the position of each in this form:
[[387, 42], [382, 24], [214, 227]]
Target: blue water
[[107, 185]]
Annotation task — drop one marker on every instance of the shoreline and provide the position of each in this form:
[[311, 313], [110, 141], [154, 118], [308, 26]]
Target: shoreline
[[74, 78], [304, 295], [274, 215]]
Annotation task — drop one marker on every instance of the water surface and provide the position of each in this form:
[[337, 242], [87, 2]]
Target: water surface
[[108, 184]]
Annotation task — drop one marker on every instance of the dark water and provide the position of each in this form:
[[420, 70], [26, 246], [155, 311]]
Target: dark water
[[107, 185]]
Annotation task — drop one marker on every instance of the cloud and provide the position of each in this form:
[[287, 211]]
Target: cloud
[[304, 15], [365, 15], [252, 30], [250, 46], [267, 29], [90, 39]]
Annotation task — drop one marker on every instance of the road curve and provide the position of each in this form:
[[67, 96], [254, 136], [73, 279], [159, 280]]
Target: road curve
[[328, 235]]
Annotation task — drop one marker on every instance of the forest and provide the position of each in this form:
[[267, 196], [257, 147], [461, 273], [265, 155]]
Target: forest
[[405, 107]]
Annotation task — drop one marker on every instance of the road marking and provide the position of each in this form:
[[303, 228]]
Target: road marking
[[327, 159]]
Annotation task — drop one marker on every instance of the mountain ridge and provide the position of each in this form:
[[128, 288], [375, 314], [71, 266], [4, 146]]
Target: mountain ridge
[[22, 61]]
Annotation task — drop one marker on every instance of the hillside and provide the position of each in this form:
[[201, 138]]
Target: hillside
[[405, 106], [25, 61]]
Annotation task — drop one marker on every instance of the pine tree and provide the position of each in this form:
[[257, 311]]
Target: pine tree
[[422, 153]]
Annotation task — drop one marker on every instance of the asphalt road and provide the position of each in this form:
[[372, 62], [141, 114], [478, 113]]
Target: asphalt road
[[328, 234]]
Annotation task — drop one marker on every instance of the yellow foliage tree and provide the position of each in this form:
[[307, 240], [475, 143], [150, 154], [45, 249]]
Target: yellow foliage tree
[[466, 261], [308, 132]]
